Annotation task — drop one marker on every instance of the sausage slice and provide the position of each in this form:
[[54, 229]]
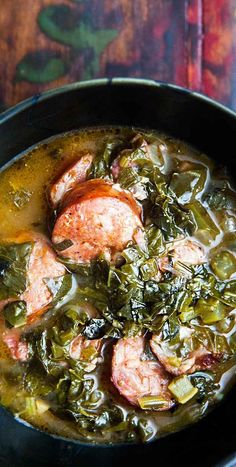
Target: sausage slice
[[187, 252], [197, 359], [135, 378], [97, 217], [17, 347], [76, 173]]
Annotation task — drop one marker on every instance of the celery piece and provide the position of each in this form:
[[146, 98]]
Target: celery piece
[[182, 389], [41, 406], [223, 264], [229, 293], [152, 402], [30, 406], [206, 229], [210, 310]]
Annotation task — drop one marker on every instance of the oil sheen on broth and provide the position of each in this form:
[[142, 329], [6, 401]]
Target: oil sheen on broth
[[131, 257]]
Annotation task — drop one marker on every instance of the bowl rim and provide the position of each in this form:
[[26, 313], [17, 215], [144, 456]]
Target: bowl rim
[[101, 82]]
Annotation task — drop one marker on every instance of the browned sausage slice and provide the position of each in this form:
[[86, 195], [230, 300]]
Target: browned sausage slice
[[135, 378], [97, 217], [76, 173], [198, 359], [185, 251]]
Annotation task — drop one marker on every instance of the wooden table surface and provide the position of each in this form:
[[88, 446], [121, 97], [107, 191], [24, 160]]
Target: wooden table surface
[[47, 43]]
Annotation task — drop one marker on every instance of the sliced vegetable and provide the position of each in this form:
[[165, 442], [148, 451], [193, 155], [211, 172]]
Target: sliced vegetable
[[14, 260], [59, 287], [15, 313], [149, 269], [186, 185], [182, 389], [223, 264], [220, 196], [152, 402], [211, 310], [102, 161], [206, 228]]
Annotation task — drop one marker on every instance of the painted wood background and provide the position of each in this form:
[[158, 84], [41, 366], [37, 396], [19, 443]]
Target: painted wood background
[[47, 43]]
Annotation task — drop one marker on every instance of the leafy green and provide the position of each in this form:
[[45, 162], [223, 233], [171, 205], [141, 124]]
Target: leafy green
[[15, 313], [223, 264], [102, 161], [171, 219], [205, 383], [155, 241], [211, 310], [220, 196], [52, 367], [207, 230], [59, 288], [186, 185], [14, 261]]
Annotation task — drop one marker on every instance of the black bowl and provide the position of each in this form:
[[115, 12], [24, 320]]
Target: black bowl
[[187, 115]]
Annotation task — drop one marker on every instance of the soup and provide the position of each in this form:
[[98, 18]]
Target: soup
[[117, 285]]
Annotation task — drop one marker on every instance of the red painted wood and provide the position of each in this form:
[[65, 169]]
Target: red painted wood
[[189, 42]]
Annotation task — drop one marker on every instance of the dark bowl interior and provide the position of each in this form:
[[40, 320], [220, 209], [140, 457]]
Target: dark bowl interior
[[146, 104]]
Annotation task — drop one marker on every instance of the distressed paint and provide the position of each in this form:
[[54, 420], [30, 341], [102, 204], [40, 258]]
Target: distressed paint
[[194, 43], [52, 42]]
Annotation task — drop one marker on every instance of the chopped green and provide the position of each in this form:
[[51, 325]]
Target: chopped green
[[220, 195], [102, 161], [223, 264], [15, 313], [206, 228], [59, 287], [149, 269], [14, 260], [210, 310], [187, 184], [188, 314]]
